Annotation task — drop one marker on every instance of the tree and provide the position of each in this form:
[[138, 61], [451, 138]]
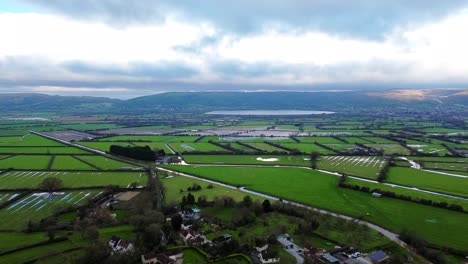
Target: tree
[[51, 232], [247, 201], [97, 252], [51, 184], [190, 199], [313, 159], [91, 232], [176, 222], [267, 206]]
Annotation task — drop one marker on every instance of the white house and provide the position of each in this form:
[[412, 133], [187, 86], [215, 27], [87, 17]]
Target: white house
[[120, 245]]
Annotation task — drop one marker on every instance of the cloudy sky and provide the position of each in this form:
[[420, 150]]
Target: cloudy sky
[[123, 49]]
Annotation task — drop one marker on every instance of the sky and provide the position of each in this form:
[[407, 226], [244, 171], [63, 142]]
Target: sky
[[124, 49]]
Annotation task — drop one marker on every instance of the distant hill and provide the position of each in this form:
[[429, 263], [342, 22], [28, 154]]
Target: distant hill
[[21, 102], [204, 101]]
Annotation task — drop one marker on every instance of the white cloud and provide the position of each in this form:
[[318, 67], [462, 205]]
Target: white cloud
[[61, 89], [434, 52]]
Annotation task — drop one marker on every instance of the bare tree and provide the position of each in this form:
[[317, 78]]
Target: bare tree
[[51, 184]]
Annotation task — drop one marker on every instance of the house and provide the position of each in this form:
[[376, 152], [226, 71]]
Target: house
[[262, 248], [120, 245], [268, 257], [359, 260], [222, 239], [190, 214], [173, 256], [377, 256], [263, 255]]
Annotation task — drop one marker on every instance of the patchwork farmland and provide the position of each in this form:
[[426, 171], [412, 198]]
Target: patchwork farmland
[[397, 178]]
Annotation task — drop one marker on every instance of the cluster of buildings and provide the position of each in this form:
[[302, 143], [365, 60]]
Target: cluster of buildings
[[337, 256]]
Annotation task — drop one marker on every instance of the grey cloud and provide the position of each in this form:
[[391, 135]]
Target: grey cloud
[[360, 18], [134, 69]]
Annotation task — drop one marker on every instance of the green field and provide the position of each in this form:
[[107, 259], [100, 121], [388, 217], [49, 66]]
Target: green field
[[41, 150], [12, 240], [173, 184], [412, 193], [38, 162], [439, 226], [368, 167], [151, 138], [28, 140], [428, 180], [188, 147], [106, 163], [249, 159], [455, 166], [31, 179], [69, 163], [308, 148], [37, 206], [430, 149], [389, 149], [265, 147], [322, 140], [354, 140]]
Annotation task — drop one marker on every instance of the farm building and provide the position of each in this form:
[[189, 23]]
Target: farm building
[[168, 257]]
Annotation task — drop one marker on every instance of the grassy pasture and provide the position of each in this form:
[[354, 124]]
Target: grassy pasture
[[308, 148], [340, 146], [265, 147], [241, 147], [368, 167], [379, 140], [28, 140], [430, 149], [106, 163], [188, 147], [12, 240], [414, 194], [103, 146], [247, 139], [439, 226], [30, 254], [440, 159], [151, 138], [31, 179], [389, 149], [39, 162], [428, 180], [248, 159], [174, 184], [42, 150], [322, 140], [455, 166], [69, 163], [354, 140], [37, 206]]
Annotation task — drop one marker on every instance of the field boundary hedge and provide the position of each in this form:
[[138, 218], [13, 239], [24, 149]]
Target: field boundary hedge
[[18, 197], [38, 244]]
